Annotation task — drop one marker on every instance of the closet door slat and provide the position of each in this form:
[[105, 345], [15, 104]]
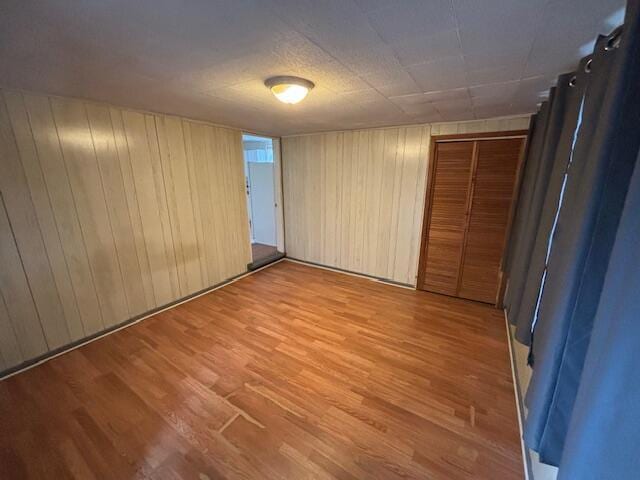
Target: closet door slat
[[496, 168], [448, 204]]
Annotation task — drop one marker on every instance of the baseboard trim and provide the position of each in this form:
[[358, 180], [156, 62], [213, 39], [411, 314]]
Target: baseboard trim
[[373, 278], [34, 362], [526, 458]]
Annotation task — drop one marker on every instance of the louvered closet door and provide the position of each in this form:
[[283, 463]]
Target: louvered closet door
[[470, 200], [445, 234], [491, 197]]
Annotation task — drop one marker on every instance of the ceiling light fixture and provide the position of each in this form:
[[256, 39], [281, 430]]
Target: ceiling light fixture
[[289, 89]]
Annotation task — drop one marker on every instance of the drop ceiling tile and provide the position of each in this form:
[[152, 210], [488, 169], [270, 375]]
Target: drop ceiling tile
[[412, 99], [528, 109], [208, 59], [455, 109], [457, 116], [406, 19], [232, 72], [496, 25], [362, 96], [569, 44], [452, 106], [455, 94], [341, 29], [297, 50], [370, 5], [428, 47], [504, 73], [569, 50], [384, 111], [440, 74], [430, 117], [390, 81], [420, 109], [491, 101], [494, 111], [497, 90], [533, 90], [402, 87]]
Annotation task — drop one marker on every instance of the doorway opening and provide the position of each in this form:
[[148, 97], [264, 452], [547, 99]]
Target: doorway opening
[[262, 181]]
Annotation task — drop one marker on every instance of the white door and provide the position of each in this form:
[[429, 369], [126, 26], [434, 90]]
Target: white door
[[263, 209]]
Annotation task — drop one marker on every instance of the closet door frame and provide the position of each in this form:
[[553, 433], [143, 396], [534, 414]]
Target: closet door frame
[[426, 219]]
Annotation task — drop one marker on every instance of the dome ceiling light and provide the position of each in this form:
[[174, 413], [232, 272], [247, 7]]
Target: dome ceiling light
[[289, 89]]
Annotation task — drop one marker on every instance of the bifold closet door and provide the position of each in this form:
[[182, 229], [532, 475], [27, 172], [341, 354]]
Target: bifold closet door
[[496, 167], [448, 206], [471, 191]]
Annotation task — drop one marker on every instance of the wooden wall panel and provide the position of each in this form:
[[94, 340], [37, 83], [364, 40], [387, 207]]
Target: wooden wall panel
[[57, 184], [108, 213], [355, 199], [22, 223], [86, 186], [44, 212]]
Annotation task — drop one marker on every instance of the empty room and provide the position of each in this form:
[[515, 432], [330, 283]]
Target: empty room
[[320, 239]]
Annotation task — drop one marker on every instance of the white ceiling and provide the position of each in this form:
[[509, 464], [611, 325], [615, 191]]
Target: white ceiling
[[374, 62]]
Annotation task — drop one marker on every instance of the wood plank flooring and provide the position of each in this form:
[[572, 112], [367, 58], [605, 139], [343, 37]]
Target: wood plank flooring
[[292, 373]]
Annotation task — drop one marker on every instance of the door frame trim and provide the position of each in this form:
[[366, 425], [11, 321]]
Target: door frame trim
[[428, 198]]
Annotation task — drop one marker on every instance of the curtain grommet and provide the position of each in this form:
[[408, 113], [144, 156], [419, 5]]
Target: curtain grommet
[[587, 66], [613, 41]]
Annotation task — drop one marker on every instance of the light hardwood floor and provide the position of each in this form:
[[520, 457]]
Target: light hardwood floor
[[294, 372]]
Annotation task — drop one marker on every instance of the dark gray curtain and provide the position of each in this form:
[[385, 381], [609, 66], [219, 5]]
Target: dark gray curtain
[[535, 125], [604, 157], [530, 173], [523, 312], [532, 168], [533, 211]]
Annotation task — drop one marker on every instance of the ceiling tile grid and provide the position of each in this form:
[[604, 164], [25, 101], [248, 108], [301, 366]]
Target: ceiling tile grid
[[374, 62]]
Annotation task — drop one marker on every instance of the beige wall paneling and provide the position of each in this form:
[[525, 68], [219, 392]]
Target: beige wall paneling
[[196, 136], [86, 185], [133, 210], [54, 172], [277, 188], [237, 205], [214, 139], [16, 293], [416, 174], [373, 184], [314, 196], [25, 229], [331, 199], [116, 201], [31, 164], [109, 213], [10, 353], [179, 204], [157, 140], [355, 199], [195, 204], [233, 204], [360, 166], [346, 193], [145, 191], [414, 159], [289, 150], [390, 155]]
